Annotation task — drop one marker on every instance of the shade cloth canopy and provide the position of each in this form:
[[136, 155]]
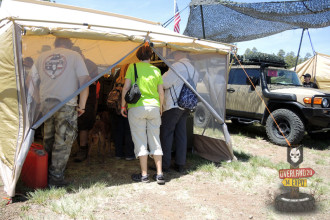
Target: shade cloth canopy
[[234, 22]]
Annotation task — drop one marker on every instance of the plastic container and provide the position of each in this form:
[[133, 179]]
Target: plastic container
[[35, 169]]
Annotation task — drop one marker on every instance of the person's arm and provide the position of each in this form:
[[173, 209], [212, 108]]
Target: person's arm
[[126, 87], [161, 97], [82, 101], [83, 95]]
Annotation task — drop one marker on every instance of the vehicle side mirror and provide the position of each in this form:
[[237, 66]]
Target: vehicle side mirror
[[255, 81]]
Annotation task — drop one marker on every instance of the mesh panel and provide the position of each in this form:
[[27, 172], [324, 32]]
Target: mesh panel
[[230, 22], [48, 83], [211, 69]]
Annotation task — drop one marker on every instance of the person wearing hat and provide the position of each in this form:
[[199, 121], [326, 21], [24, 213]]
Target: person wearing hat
[[307, 81]]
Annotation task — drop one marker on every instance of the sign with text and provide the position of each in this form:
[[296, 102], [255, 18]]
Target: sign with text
[[295, 182], [296, 173]]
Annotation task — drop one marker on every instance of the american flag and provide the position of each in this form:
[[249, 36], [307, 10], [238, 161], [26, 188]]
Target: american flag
[[177, 19]]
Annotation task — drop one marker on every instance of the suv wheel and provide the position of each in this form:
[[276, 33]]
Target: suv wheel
[[201, 115], [291, 125]]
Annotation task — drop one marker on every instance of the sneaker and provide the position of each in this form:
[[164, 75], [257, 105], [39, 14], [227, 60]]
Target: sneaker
[[159, 178], [58, 183], [140, 178]]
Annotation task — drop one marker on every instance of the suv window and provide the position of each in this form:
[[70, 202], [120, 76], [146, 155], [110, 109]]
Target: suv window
[[282, 77], [237, 75]]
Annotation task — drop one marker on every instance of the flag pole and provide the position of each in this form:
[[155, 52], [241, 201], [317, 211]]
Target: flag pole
[[174, 6]]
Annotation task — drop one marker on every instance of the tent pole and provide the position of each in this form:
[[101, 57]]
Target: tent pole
[[201, 7], [302, 35], [207, 105]]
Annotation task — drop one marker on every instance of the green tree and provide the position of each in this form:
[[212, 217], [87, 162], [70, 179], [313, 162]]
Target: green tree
[[307, 56], [247, 52], [290, 59], [281, 53], [254, 50]]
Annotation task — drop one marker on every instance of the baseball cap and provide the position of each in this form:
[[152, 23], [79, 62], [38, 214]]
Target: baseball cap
[[307, 75]]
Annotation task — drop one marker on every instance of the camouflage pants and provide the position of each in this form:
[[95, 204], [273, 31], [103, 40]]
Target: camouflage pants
[[59, 133]]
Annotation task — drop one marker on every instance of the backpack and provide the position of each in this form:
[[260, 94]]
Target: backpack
[[114, 96], [187, 98]]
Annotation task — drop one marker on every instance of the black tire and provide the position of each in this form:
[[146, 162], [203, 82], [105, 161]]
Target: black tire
[[201, 115], [291, 125], [304, 203]]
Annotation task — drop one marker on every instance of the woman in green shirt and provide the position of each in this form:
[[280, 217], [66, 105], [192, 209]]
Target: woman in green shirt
[[145, 116]]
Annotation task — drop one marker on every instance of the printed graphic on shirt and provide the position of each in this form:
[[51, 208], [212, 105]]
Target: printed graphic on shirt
[[54, 65]]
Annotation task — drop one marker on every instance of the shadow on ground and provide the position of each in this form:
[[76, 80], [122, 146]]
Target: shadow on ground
[[321, 141]]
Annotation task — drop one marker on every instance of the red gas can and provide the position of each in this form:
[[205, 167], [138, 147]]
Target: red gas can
[[35, 169]]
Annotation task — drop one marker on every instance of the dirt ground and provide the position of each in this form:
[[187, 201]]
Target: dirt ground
[[196, 195]]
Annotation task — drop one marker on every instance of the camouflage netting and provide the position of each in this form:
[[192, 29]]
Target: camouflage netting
[[234, 22]]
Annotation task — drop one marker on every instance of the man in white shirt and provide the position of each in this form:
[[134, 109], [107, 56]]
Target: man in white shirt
[[174, 118]]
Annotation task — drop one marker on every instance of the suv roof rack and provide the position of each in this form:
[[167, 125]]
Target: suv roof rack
[[261, 59]]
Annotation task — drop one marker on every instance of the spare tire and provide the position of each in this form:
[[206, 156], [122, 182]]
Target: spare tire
[[201, 115], [304, 203]]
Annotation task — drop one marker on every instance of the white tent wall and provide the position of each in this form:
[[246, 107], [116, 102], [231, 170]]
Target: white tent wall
[[319, 68], [14, 125], [27, 25]]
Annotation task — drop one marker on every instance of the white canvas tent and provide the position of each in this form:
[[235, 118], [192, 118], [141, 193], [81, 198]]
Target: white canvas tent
[[319, 68], [109, 40]]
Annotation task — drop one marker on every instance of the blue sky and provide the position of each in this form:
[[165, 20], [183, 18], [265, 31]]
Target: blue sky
[[162, 10]]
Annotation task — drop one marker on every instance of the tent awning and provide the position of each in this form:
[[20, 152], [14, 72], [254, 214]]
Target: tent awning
[[42, 18]]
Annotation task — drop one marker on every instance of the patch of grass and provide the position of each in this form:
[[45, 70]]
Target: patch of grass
[[246, 170], [265, 162], [42, 197], [81, 203], [317, 188], [25, 208], [321, 162], [208, 168]]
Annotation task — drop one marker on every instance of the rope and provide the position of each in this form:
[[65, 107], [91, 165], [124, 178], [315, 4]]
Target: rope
[[169, 21], [287, 141], [310, 40]]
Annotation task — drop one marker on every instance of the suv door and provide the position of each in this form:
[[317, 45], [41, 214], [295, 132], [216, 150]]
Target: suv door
[[242, 100]]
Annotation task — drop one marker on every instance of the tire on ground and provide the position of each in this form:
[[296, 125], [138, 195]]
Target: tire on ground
[[291, 125], [201, 116], [304, 203]]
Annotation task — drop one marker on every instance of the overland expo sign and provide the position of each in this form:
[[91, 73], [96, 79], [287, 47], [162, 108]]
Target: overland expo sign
[[295, 182], [296, 173]]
